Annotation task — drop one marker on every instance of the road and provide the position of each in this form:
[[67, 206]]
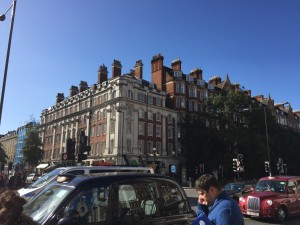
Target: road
[[192, 195]]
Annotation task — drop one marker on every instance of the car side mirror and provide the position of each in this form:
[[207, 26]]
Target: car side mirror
[[67, 221]]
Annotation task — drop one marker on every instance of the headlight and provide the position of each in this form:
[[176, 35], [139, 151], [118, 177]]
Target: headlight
[[241, 199], [269, 202]]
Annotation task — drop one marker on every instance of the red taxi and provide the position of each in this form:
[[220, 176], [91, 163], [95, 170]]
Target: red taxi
[[273, 197]]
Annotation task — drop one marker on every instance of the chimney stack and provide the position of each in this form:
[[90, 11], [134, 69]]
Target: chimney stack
[[73, 90], [176, 64], [197, 73], [116, 68], [138, 69], [59, 97], [102, 74], [83, 86]]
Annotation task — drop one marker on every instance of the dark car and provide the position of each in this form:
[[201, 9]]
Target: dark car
[[134, 199], [238, 189]]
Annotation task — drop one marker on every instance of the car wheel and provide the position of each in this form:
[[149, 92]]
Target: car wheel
[[281, 214]]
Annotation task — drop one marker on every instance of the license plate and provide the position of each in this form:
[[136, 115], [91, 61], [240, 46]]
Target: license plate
[[252, 213]]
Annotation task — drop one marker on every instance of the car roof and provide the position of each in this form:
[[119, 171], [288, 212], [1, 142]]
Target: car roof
[[104, 167], [87, 180], [281, 178]]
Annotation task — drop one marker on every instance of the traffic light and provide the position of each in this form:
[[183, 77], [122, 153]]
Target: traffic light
[[10, 165], [81, 157], [240, 163], [70, 154], [267, 166], [234, 164]]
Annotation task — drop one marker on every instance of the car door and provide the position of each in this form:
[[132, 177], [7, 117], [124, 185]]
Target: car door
[[136, 203], [292, 196]]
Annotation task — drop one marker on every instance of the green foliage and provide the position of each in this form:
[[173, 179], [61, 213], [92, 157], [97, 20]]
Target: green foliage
[[214, 145], [3, 155], [32, 151]]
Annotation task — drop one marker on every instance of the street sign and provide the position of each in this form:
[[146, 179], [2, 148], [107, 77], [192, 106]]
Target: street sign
[[173, 168]]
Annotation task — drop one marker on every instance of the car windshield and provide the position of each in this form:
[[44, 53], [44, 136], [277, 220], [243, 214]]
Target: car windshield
[[46, 202], [46, 178], [271, 185], [233, 186]]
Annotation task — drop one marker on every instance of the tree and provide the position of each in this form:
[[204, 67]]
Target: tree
[[32, 151], [3, 155]]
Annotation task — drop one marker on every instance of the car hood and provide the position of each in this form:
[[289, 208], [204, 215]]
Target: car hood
[[264, 194]]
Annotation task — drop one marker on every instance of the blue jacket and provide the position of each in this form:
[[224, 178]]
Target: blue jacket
[[224, 211]]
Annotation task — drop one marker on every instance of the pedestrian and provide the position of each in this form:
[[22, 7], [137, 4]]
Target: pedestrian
[[215, 203], [11, 209]]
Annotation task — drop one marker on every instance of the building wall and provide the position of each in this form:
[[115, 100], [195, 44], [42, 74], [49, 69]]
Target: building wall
[[9, 142]]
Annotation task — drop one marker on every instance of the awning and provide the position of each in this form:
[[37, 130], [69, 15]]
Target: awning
[[42, 166]]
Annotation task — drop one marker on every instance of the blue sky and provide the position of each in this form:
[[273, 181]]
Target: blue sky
[[58, 43]]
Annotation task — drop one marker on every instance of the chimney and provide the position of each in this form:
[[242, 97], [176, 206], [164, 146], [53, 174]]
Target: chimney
[[83, 86], [59, 97], [73, 90], [197, 73], [158, 73], [116, 68], [176, 64], [138, 69], [215, 80], [102, 74]]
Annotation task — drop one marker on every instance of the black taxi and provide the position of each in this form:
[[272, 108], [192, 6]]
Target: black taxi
[[111, 199]]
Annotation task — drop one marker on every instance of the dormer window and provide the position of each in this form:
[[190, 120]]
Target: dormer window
[[177, 74], [189, 78], [201, 83], [211, 87]]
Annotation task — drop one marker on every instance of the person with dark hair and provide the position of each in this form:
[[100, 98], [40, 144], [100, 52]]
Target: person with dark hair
[[215, 203], [11, 209]]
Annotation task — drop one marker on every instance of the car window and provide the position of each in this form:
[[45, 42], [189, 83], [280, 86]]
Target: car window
[[292, 186], [171, 199], [136, 201], [89, 206], [75, 172], [46, 178]]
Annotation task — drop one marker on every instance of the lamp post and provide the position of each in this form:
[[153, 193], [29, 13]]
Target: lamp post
[[267, 135], [2, 18], [154, 154], [122, 130]]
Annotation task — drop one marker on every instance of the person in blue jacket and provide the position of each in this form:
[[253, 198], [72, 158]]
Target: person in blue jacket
[[215, 203]]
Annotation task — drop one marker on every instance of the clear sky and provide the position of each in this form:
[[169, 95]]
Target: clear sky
[[58, 43]]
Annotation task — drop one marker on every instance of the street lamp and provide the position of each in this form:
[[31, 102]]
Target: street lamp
[[122, 130], [2, 18], [154, 154], [267, 135]]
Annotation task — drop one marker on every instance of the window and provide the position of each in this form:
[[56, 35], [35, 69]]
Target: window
[[129, 128], [99, 99], [158, 116], [104, 129], [169, 119], [104, 113], [114, 94], [141, 128], [141, 146], [98, 115], [105, 97], [112, 126], [137, 198], [170, 132], [92, 131], [141, 97], [158, 131], [128, 146], [170, 148], [103, 147], [96, 153], [94, 101], [158, 148], [190, 105], [150, 129], [149, 147], [93, 200], [150, 115], [150, 100], [111, 146], [141, 114], [158, 101], [130, 94], [178, 102], [195, 106], [98, 130]]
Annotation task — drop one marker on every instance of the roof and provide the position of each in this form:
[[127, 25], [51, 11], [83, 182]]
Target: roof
[[279, 178], [88, 180]]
